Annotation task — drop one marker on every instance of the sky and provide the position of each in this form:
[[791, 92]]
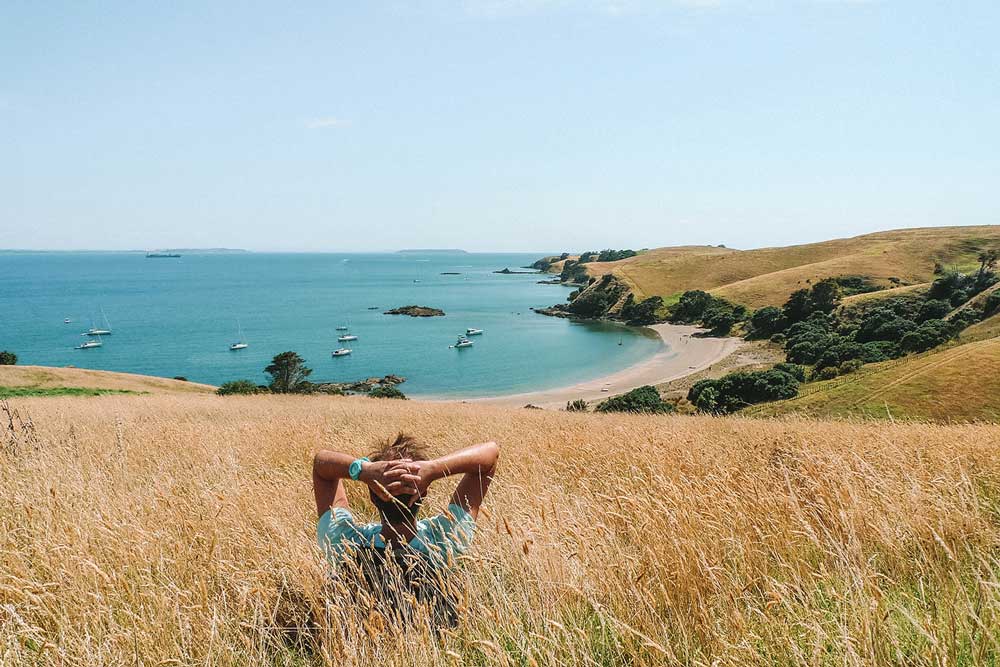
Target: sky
[[494, 125]]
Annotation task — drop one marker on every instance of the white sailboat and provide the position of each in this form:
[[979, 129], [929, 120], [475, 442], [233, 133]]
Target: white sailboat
[[473, 332], [95, 331], [342, 352], [87, 344], [240, 343], [346, 337]]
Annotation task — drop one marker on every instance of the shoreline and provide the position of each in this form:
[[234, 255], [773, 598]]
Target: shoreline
[[681, 354]]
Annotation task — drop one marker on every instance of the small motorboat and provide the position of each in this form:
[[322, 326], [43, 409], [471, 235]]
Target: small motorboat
[[239, 346], [342, 352], [341, 328], [473, 332], [346, 337], [372, 307], [462, 342], [87, 344], [67, 321]]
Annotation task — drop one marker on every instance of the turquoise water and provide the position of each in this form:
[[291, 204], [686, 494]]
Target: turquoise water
[[178, 316]]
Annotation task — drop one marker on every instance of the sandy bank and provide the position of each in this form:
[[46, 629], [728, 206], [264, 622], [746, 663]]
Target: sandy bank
[[681, 355]]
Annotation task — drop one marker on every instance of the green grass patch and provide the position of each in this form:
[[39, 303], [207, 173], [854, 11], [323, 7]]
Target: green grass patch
[[31, 392]]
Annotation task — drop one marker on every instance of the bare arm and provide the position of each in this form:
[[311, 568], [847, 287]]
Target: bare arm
[[331, 468], [477, 465]]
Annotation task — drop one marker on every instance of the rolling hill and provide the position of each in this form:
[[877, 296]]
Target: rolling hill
[[51, 378], [957, 383], [767, 276]]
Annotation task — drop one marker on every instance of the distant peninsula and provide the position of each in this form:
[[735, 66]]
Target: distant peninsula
[[416, 311], [432, 251]]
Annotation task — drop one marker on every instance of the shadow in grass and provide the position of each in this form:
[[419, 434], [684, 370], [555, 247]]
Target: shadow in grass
[[27, 392]]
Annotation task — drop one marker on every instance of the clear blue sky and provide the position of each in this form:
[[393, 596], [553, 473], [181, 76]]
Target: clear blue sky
[[494, 125]]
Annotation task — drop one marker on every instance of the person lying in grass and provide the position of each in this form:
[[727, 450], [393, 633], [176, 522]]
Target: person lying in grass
[[401, 560]]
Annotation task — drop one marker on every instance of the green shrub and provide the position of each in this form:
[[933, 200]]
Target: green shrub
[[643, 312], [738, 390], [644, 400], [579, 405], [7, 358], [767, 321], [240, 387], [827, 373], [992, 304], [850, 366], [928, 335], [796, 371], [386, 391]]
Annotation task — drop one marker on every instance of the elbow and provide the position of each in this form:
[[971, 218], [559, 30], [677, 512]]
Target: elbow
[[493, 451]]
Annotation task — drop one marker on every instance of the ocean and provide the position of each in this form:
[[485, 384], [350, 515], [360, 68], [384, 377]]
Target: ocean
[[177, 317]]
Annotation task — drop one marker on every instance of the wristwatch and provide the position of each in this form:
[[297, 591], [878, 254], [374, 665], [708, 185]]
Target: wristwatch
[[355, 469]]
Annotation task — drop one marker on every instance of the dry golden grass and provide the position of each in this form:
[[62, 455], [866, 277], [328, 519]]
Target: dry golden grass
[[49, 377], [179, 530], [952, 384], [767, 276]]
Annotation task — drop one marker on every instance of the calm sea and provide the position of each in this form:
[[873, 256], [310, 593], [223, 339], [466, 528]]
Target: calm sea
[[174, 317]]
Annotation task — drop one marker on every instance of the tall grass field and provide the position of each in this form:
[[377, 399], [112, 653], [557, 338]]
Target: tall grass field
[[180, 530]]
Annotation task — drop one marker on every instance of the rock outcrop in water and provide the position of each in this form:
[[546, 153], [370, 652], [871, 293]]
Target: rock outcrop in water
[[416, 311]]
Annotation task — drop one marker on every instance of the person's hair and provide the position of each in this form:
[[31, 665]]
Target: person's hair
[[403, 446]]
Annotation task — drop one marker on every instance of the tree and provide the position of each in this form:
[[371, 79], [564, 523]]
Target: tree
[[7, 358], [387, 391], [992, 304], [767, 321], [738, 390], [643, 312], [933, 309], [288, 373], [579, 405], [987, 262], [239, 387], [798, 307], [825, 295], [796, 371], [719, 321], [691, 306], [643, 400], [928, 335]]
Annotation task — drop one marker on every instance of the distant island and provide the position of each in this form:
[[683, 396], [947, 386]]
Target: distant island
[[416, 311], [432, 251]]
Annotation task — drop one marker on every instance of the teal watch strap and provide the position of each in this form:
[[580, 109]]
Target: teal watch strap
[[355, 469]]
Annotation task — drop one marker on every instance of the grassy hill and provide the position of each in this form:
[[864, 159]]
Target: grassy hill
[[49, 380], [180, 529], [767, 276], [959, 383]]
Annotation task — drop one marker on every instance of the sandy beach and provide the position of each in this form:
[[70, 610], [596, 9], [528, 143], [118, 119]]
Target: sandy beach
[[682, 354]]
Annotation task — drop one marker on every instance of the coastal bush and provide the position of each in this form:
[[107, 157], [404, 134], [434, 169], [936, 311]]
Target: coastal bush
[[933, 309], [240, 387], [644, 400], [766, 322], [928, 335], [738, 390], [796, 371], [850, 366], [386, 391], [992, 304], [644, 312], [181, 378], [288, 373], [579, 405], [715, 314], [7, 358], [825, 373], [574, 271]]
